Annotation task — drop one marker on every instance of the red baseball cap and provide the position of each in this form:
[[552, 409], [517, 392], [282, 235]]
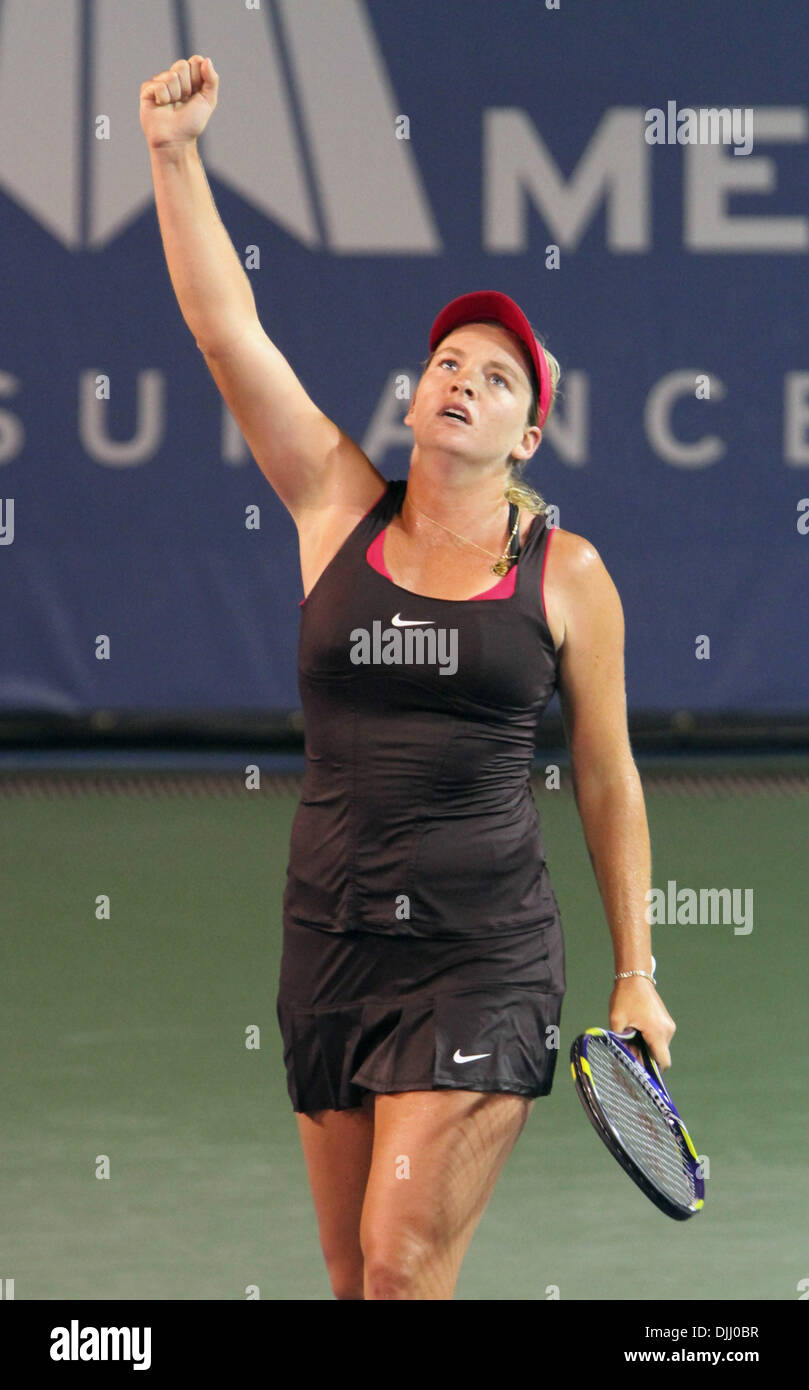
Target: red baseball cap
[[491, 304]]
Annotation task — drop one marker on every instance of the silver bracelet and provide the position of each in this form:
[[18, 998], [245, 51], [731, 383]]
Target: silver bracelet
[[625, 974]]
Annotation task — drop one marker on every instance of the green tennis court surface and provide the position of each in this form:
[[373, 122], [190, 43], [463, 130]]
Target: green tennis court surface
[[125, 1038]]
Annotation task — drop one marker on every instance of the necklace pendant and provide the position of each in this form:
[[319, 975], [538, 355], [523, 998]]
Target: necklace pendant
[[500, 567]]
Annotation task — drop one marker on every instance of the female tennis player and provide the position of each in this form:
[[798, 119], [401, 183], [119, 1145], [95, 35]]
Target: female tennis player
[[423, 964]]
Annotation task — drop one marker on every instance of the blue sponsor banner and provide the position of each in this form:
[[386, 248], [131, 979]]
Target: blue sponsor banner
[[380, 159]]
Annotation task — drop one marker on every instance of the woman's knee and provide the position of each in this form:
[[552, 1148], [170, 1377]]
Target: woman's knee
[[347, 1278], [398, 1262]]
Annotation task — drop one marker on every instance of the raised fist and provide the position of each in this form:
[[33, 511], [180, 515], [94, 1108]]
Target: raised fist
[[175, 105]]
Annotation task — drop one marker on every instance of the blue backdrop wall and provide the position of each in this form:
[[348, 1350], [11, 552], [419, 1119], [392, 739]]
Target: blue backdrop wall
[[669, 279]]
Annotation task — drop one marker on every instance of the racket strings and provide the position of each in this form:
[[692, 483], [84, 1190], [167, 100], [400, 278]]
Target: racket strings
[[635, 1114]]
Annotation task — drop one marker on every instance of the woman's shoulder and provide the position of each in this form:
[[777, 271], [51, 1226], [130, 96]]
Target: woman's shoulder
[[575, 582], [571, 554]]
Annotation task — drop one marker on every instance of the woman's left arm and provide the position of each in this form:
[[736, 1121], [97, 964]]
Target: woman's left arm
[[607, 785], [613, 816]]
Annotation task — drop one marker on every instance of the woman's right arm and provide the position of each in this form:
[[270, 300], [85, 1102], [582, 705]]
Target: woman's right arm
[[314, 467]]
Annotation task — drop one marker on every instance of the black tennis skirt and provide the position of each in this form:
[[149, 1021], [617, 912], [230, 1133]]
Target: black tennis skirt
[[364, 1012]]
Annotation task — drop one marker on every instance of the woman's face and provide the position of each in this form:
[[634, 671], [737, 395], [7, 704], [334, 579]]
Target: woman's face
[[482, 370]]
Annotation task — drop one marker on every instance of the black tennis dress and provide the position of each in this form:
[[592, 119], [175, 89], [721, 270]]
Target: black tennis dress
[[422, 941]]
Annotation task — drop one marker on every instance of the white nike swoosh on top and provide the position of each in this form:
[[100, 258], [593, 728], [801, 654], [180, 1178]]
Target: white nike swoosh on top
[[411, 622], [474, 1057]]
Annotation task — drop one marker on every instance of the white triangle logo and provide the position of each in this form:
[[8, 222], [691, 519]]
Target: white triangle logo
[[304, 127]]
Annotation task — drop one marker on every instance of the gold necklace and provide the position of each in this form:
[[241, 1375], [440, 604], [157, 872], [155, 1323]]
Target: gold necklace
[[503, 561]]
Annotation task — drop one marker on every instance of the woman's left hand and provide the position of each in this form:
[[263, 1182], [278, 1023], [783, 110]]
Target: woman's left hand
[[635, 1003]]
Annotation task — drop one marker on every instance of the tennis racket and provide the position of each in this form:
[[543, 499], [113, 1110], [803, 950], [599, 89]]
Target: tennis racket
[[633, 1114]]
